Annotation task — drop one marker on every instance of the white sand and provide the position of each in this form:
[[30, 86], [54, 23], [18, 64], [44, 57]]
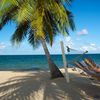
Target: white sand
[[37, 85]]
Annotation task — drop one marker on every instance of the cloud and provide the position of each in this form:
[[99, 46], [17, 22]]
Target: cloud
[[83, 32], [2, 45], [69, 41], [84, 48], [92, 44], [90, 47]]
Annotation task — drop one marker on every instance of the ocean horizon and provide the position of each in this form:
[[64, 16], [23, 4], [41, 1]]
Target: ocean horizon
[[39, 62]]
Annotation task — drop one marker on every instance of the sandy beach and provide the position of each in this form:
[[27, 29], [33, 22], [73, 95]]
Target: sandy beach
[[36, 85]]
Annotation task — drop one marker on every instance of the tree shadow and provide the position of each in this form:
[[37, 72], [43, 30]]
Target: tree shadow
[[38, 86], [79, 88], [22, 87]]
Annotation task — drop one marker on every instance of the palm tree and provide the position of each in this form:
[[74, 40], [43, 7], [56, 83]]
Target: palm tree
[[38, 21]]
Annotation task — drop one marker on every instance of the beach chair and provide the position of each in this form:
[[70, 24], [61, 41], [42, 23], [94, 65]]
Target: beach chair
[[86, 69], [92, 65], [88, 65]]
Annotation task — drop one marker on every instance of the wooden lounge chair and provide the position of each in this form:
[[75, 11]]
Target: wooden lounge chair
[[91, 64], [86, 69]]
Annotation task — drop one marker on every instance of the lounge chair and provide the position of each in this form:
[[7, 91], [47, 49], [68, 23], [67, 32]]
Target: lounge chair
[[91, 64], [86, 69]]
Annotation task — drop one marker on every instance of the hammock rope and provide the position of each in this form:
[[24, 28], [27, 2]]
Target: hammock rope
[[76, 58]]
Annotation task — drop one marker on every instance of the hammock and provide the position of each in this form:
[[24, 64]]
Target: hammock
[[76, 58], [90, 67]]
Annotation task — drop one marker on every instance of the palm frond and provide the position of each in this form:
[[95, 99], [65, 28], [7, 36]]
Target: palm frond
[[20, 33], [37, 24], [35, 42], [25, 12], [6, 17], [44, 19], [71, 22], [64, 1]]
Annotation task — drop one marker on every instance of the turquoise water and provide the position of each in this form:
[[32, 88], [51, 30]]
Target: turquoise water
[[36, 62]]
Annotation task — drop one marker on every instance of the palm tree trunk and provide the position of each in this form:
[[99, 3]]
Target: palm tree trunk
[[54, 71]]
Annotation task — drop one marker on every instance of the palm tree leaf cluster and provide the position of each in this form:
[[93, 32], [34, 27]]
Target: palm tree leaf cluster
[[36, 19]]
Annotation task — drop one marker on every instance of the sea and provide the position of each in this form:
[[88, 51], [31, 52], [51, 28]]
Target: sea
[[39, 62]]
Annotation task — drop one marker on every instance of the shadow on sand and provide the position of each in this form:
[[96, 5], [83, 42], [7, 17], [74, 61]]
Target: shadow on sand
[[38, 86]]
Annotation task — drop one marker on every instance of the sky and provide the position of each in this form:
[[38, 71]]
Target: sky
[[85, 37]]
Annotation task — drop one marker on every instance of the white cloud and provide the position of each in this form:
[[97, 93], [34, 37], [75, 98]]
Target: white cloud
[[2, 45], [90, 47], [84, 48], [69, 41], [83, 32], [92, 44]]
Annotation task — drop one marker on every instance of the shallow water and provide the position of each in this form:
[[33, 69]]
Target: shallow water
[[36, 62]]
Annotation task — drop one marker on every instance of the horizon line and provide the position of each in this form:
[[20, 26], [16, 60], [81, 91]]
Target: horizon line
[[42, 54]]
